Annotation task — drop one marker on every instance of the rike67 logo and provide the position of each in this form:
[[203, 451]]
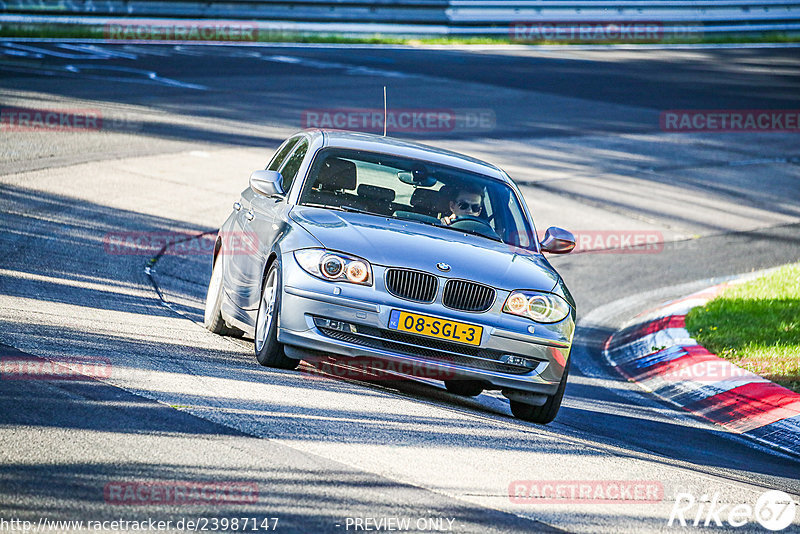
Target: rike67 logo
[[774, 510]]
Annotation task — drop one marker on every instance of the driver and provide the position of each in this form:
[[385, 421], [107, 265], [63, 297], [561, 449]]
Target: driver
[[463, 201]]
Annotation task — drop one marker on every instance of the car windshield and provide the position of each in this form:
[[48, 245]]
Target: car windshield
[[421, 191]]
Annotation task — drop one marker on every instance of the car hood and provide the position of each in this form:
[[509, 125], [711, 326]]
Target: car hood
[[400, 243]]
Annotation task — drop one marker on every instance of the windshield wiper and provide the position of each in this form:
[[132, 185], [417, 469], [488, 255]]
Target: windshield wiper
[[349, 209], [472, 232], [312, 205]]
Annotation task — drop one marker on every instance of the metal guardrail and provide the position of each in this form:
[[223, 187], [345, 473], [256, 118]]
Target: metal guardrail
[[429, 17]]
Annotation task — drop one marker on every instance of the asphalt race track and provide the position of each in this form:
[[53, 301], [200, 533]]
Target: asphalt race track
[[182, 128]]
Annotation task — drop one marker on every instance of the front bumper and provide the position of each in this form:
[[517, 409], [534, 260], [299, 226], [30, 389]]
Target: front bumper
[[309, 305]]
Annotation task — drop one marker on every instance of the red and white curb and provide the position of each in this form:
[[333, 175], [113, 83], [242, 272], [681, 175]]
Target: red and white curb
[[658, 353]]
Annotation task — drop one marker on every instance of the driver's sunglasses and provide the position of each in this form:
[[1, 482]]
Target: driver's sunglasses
[[466, 206]]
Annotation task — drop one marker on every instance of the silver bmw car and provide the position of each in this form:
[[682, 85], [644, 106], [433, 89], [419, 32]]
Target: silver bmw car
[[355, 246]]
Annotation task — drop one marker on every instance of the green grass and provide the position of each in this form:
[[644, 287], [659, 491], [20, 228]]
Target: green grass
[[756, 325], [72, 31]]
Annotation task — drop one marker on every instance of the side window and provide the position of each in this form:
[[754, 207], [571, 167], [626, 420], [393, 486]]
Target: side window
[[281, 154], [289, 170]]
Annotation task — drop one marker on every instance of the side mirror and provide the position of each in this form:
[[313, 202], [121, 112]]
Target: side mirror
[[557, 241], [267, 183]]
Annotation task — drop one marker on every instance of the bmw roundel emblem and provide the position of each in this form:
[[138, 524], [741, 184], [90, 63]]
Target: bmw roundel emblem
[[443, 267]]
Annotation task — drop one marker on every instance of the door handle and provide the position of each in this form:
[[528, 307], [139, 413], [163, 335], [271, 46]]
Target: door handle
[[237, 206], [249, 215]]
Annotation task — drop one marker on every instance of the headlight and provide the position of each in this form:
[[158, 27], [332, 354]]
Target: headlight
[[334, 266], [541, 307]]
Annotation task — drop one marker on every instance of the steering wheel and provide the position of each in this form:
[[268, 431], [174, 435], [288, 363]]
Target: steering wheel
[[474, 224]]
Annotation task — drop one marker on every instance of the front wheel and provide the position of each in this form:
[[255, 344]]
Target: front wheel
[[269, 352], [547, 412]]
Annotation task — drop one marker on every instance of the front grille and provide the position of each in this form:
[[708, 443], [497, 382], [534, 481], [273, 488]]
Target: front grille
[[411, 285], [467, 296], [413, 346]]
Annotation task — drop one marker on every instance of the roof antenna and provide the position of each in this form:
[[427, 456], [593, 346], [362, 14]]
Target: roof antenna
[[384, 111]]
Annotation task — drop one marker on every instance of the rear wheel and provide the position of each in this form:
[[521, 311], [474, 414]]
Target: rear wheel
[[212, 319], [465, 388], [269, 352], [545, 413]]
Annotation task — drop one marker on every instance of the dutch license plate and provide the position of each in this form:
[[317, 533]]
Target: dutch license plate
[[434, 327]]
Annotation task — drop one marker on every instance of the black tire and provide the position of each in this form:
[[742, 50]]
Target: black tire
[[465, 388], [212, 318], [269, 352], [547, 412]]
